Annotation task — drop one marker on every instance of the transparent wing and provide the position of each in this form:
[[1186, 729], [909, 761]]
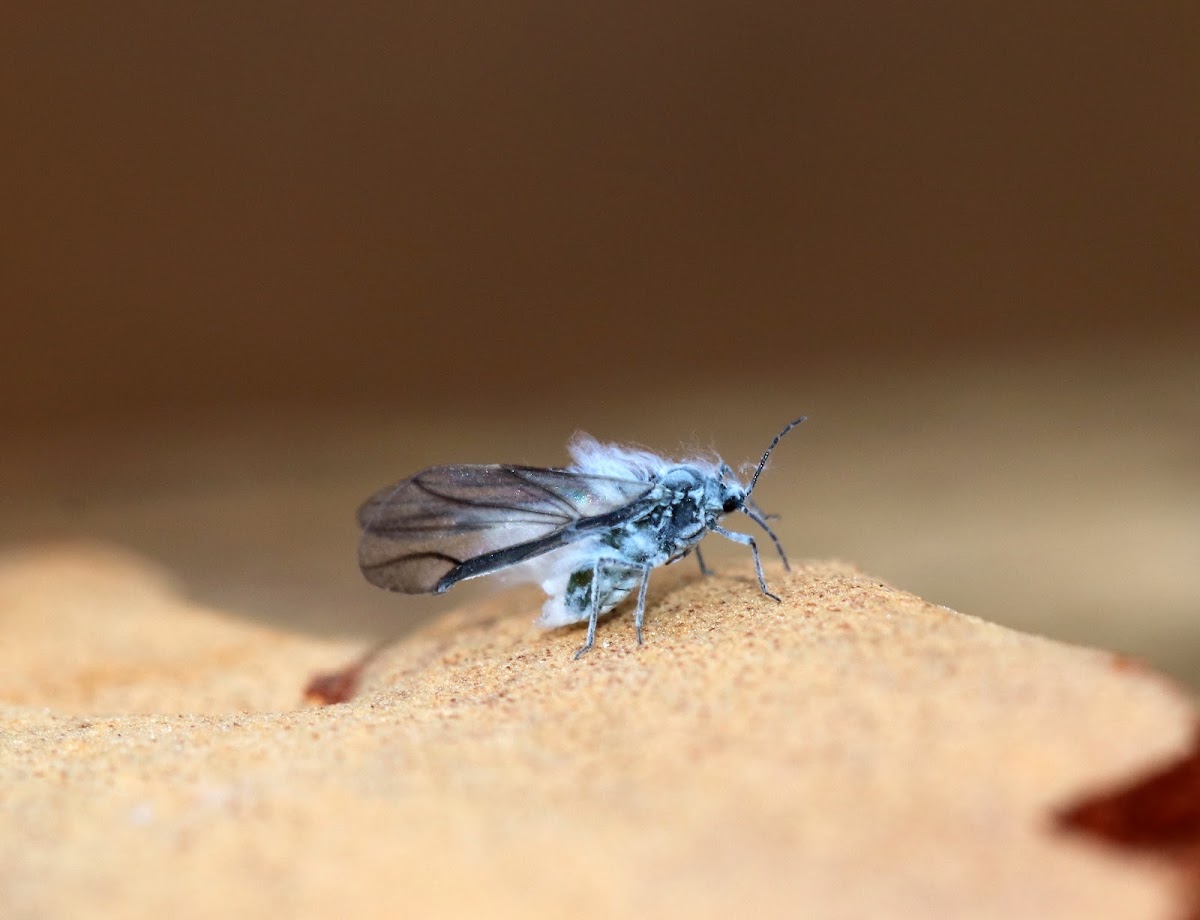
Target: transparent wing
[[455, 522]]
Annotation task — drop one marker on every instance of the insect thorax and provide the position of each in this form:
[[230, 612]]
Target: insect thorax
[[684, 504], [678, 512]]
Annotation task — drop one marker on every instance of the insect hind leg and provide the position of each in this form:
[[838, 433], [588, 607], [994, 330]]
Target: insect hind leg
[[612, 580], [641, 603], [746, 540], [595, 613]]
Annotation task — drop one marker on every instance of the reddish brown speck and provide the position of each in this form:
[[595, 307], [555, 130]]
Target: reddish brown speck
[[1127, 663], [341, 685]]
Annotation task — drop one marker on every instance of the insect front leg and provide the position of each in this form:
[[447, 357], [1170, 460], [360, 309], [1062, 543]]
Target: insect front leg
[[761, 520], [746, 540], [704, 570]]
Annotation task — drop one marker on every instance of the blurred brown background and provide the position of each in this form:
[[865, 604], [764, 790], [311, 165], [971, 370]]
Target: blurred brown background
[[259, 259]]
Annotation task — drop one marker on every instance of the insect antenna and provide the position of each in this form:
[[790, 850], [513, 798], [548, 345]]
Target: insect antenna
[[763, 462]]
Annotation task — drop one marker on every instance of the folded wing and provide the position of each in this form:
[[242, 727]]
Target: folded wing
[[450, 523]]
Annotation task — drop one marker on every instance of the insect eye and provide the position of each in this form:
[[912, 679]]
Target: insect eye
[[731, 504]]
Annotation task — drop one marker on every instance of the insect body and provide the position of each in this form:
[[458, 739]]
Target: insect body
[[592, 532]]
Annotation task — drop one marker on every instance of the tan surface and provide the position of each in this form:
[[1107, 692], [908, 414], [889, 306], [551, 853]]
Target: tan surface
[[852, 752], [89, 630]]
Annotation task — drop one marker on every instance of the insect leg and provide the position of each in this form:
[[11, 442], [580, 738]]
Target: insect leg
[[746, 540], [595, 615], [753, 506], [759, 519], [641, 604], [704, 570]]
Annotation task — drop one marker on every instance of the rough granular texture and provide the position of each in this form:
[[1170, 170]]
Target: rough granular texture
[[853, 751]]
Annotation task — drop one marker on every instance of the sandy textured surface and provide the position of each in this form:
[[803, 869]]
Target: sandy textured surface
[[851, 752]]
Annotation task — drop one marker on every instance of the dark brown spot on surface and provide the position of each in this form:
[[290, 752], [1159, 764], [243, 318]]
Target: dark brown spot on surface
[[1158, 813], [339, 686]]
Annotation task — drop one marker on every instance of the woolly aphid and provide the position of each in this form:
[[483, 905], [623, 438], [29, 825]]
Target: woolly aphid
[[591, 533]]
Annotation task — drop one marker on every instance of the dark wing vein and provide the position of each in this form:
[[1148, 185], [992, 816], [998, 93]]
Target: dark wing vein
[[545, 490], [454, 522]]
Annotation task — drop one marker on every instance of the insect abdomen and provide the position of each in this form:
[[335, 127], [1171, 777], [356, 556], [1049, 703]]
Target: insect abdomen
[[574, 604]]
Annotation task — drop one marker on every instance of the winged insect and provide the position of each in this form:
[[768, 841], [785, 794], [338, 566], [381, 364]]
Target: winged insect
[[591, 533]]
